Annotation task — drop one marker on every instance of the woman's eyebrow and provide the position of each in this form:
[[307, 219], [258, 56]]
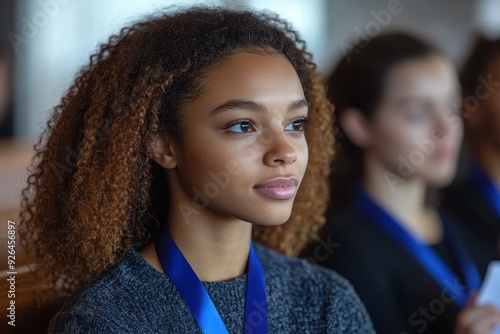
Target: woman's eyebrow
[[299, 104], [254, 106], [239, 104]]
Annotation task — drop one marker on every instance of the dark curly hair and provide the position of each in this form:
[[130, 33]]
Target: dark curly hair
[[94, 189], [482, 54]]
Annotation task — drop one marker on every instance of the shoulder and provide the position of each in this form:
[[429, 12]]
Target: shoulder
[[348, 221], [349, 234], [352, 244], [109, 297], [317, 290], [301, 270]]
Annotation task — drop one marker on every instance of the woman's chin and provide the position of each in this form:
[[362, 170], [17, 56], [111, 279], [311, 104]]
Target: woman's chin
[[272, 221], [441, 180]]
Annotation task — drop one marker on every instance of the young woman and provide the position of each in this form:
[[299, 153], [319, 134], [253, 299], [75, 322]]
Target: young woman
[[399, 132], [475, 196], [184, 133]]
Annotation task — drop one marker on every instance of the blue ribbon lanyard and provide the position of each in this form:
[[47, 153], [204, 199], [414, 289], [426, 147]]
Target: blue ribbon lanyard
[[489, 189], [424, 254], [196, 297]]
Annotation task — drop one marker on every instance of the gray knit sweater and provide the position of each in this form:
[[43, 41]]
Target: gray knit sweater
[[133, 297]]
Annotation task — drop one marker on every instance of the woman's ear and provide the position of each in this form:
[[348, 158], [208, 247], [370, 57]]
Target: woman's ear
[[356, 127], [165, 151]]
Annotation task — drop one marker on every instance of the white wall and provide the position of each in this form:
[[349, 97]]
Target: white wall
[[57, 36], [449, 24]]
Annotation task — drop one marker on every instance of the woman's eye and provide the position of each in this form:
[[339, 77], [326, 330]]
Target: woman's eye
[[241, 127], [416, 113], [298, 125]]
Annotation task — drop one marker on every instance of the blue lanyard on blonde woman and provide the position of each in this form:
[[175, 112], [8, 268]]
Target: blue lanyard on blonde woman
[[424, 254], [196, 297]]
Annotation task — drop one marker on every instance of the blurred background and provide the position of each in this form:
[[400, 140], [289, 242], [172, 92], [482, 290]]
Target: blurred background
[[45, 42]]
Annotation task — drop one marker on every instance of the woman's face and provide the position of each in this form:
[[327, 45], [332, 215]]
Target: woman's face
[[244, 152], [416, 130]]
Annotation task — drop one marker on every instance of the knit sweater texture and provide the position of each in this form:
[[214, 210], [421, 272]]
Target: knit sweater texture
[[133, 297]]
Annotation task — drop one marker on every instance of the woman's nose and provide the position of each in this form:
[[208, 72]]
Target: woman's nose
[[279, 151]]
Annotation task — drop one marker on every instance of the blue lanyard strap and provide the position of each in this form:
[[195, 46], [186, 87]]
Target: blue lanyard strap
[[467, 266], [488, 188], [256, 303], [424, 254], [196, 296]]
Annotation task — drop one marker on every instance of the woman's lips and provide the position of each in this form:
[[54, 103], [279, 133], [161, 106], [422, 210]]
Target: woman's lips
[[443, 154], [279, 188]]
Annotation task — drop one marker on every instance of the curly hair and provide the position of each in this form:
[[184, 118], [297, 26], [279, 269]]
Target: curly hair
[[94, 190]]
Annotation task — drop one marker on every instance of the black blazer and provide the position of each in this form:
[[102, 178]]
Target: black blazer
[[475, 217], [399, 294]]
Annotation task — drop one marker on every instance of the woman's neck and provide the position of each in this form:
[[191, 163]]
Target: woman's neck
[[217, 249], [404, 200]]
